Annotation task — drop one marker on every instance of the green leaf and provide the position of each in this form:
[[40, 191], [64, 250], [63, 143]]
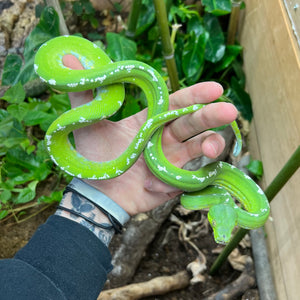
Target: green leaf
[[256, 168], [78, 8], [119, 47], [232, 51], [146, 17], [37, 117], [217, 7], [195, 24], [59, 102], [27, 194], [3, 214], [18, 111], [193, 57], [215, 47], [46, 29], [12, 66], [55, 196], [5, 196], [15, 94], [241, 99]]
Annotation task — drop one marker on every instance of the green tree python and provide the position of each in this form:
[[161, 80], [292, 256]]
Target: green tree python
[[215, 186]]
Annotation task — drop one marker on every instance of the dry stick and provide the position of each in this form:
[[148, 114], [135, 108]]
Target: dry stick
[[62, 24], [168, 51], [239, 286], [275, 186], [233, 22], [133, 18], [157, 286]]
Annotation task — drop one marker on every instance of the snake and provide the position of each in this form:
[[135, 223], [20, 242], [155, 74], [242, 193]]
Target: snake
[[231, 197]]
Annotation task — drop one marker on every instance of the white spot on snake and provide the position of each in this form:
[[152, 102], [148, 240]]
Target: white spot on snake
[[160, 168], [129, 68], [48, 139], [212, 173], [101, 79], [149, 144], [60, 127], [52, 81], [138, 143], [35, 67], [119, 172], [178, 177], [72, 84], [105, 176], [247, 177], [148, 124], [151, 72], [82, 120], [53, 159], [160, 101], [133, 155], [201, 179], [259, 190]]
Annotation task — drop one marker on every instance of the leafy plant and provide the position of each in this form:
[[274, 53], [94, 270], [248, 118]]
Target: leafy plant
[[25, 162]]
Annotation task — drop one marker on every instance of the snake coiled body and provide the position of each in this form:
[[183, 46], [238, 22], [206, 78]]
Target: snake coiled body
[[214, 186]]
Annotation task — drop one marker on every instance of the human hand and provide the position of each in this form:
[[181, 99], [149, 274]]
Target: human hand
[[137, 190]]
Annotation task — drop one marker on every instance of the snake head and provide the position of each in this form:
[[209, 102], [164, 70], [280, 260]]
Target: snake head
[[222, 218]]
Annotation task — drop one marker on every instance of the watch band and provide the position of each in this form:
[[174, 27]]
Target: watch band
[[116, 214]]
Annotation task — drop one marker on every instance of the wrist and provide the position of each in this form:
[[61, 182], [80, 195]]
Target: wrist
[[79, 210], [91, 208]]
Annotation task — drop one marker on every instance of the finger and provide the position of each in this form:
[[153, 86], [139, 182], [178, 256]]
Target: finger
[[210, 116], [77, 98], [203, 92], [208, 143]]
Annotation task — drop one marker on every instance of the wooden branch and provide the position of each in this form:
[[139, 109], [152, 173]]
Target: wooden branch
[[238, 287], [157, 286]]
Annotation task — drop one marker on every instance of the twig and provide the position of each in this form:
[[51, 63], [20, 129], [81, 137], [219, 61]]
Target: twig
[[157, 286]]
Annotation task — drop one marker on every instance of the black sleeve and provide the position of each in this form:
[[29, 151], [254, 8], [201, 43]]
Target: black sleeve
[[63, 260]]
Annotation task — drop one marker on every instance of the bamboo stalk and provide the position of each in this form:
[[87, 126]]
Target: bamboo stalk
[[168, 51], [133, 18], [233, 22], [275, 186]]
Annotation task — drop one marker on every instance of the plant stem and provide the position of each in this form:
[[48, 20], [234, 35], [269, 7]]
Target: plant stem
[[133, 18], [62, 24], [168, 51], [275, 186], [233, 22]]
